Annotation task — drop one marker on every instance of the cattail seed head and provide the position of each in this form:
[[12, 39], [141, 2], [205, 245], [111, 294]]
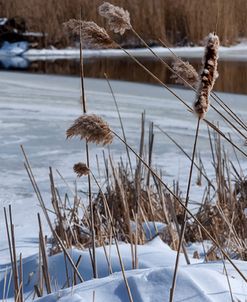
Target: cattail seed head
[[208, 75], [118, 18], [185, 71], [91, 34], [92, 128], [81, 169]]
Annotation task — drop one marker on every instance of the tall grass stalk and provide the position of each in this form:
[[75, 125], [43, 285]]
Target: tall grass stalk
[[184, 221]]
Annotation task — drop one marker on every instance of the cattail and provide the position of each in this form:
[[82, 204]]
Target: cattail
[[208, 75], [118, 18], [81, 169], [92, 128], [91, 34], [184, 70]]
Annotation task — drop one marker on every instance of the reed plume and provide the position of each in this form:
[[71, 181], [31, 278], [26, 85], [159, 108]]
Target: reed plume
[[81, 169], [92, 35], [208, 75], [185, 71], [92, 128], [118, 18]]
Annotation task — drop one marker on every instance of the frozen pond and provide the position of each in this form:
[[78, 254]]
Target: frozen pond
[[36, 110]]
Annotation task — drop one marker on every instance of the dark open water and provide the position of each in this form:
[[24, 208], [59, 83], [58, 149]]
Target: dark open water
[[233, 74]]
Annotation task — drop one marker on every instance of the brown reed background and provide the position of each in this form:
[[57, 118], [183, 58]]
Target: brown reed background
[[172, 20]]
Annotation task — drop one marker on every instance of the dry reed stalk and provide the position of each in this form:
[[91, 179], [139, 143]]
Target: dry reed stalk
[[12, 251], [15, 265], [77, 265], [91, 35], [184, 222], [208, 75], [5, 286], [110, 271], [91, 128], [45, 267], [138, 195], [95, 31], [118, 18], [120, 119], [150, 149], [21, 287]]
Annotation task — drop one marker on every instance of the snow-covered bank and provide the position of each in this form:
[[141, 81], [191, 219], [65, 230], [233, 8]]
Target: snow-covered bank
[[237, 52], [199, 281]]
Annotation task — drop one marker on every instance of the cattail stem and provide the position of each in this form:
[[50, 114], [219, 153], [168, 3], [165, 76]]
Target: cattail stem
[[182, 232]]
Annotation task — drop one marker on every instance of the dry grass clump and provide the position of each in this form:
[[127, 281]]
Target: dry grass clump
[[185, 71], [155, 205], [81, 169], [92, 35], [208, 75], [224, 217], [118, 18], [91, 128]]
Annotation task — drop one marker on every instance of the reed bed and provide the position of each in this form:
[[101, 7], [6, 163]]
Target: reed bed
[[179, 22]]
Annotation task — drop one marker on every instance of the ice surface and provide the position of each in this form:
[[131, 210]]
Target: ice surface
[[36, 110]]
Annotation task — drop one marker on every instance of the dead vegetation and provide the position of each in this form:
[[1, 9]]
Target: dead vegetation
[[179, 22]]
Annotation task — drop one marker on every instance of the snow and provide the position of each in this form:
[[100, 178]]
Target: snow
[[199, 281], [236, 52], [13, 49], [35, 110], [3, 21]]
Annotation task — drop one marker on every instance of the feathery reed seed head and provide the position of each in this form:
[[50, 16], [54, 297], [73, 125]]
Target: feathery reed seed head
[[81, 169], [91, 34], [208, 75], [186, 71], [118, 18], [92, 128]]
